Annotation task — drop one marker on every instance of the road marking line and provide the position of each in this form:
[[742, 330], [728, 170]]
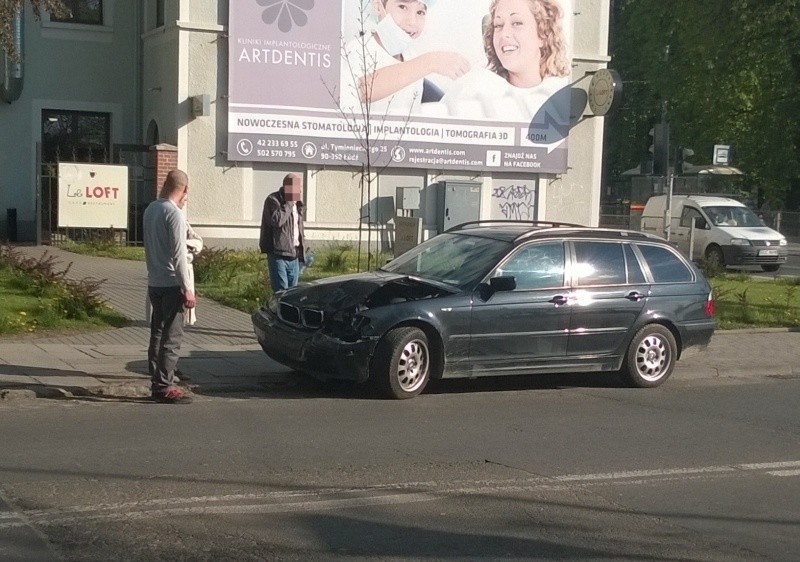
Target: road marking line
[[784, 473], [643, 473], [387, 494], [318, 505], [761, 466]]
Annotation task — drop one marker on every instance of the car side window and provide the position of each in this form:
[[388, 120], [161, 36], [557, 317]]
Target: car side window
[[665, 266], [536, 266], [599, 263], [688, 215], [635, 273]]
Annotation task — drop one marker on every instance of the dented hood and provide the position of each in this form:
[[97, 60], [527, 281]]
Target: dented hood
[[347, 291]]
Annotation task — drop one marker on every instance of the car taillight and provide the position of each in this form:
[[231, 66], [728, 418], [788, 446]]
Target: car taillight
[[710, 305]]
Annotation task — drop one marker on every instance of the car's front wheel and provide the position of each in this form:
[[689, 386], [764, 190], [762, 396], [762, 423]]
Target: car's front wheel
[[402, 363], [651, 357], [715, 259]]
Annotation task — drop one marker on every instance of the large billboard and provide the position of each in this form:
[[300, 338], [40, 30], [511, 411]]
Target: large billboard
[[433, 84]]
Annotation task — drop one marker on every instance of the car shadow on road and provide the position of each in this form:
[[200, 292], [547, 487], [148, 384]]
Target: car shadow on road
[[524, 382], [300, 386]]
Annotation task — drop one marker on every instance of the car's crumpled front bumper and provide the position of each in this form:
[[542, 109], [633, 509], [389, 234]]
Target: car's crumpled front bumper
[[312, 351]]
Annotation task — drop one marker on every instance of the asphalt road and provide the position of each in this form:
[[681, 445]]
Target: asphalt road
[[563, 467]]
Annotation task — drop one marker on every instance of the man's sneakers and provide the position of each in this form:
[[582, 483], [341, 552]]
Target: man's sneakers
[[172, 395]]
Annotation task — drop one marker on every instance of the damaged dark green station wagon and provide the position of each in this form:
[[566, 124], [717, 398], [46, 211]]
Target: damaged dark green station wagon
[[498, 298]]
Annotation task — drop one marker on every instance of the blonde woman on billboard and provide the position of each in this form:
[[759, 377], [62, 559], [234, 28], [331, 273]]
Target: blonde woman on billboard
[[383, 71], [524, 41], [527, 63]]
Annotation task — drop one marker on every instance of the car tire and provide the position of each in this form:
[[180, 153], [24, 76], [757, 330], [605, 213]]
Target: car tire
[[402, 363], [651, 357], [715, 259], [771, 268]]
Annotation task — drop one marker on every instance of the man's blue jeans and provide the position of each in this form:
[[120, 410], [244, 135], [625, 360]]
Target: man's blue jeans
[[283, 273], [166, 333]]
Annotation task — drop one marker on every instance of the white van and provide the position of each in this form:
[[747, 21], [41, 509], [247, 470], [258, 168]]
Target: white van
[[726, 231]]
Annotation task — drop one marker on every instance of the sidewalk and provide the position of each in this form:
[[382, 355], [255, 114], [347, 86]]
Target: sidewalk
[[221, 355]]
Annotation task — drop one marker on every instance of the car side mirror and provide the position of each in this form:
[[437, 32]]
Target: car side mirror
[[700, 224], [503, 283]]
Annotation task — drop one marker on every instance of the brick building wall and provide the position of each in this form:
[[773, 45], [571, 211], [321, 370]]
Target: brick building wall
[[166, 160]]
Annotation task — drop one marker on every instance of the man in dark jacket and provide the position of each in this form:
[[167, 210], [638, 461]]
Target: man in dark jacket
[[282, 233]]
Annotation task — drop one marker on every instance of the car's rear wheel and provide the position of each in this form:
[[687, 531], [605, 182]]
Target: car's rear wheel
[[651, 357], [771, 268], [402, 363]]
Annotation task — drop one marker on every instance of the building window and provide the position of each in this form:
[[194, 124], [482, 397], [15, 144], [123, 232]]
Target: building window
[[159, 13], [89, 12], [75, 136]]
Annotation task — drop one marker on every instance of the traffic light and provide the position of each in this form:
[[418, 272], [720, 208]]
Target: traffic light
[[680, 154], [660, 136]]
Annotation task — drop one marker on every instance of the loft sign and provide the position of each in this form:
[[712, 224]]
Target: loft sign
[[92, 196], [102, 192]]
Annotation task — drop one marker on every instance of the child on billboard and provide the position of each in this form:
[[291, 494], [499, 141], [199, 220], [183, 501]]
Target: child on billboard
[[380, 71]]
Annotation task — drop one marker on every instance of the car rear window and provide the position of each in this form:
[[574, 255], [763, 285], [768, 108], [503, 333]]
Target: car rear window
[[664, 265]]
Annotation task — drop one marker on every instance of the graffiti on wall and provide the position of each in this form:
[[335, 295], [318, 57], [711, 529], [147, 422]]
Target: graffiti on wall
[[513, 201]]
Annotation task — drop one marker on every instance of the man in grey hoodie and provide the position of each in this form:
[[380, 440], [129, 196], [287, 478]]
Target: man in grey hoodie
[[168, 285]]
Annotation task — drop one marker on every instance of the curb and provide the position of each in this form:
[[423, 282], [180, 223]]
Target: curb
[[31, 392], [16, 394], [142, 389]]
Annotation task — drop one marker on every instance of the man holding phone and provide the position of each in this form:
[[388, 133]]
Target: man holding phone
[[282, 233]]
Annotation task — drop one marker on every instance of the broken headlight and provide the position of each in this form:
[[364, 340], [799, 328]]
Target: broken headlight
[[272, 305]]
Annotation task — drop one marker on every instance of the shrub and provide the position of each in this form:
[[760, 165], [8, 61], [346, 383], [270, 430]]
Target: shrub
[[335, 258], [72, 299], [212, 265]]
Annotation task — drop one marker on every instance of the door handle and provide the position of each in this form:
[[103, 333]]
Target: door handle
[[558, 300], [634, 296]]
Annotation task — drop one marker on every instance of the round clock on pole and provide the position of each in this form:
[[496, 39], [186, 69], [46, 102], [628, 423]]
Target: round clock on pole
[[605, 91]]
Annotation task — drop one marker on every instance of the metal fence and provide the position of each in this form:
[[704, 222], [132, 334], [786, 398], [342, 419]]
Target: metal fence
[[141, 192]]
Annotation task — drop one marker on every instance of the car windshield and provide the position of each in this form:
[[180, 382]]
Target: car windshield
[[455, 259], [732, 216]]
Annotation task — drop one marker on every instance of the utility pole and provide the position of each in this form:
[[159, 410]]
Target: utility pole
[[665, 155]]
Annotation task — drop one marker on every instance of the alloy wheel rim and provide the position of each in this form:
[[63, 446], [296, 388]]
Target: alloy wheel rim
[[412, 368], [652, 358]]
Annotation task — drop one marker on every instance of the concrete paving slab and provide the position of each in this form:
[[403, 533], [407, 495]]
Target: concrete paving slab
[[120, 351], [106, 369], [69, 381], [14, 380], [30, 355], [64, 352]]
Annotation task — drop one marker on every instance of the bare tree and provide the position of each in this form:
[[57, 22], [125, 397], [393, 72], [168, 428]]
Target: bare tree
[[367, 127], [9, 8]]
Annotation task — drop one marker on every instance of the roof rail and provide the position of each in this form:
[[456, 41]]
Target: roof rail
[[553, 224], [621, 232], [736, 196]]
